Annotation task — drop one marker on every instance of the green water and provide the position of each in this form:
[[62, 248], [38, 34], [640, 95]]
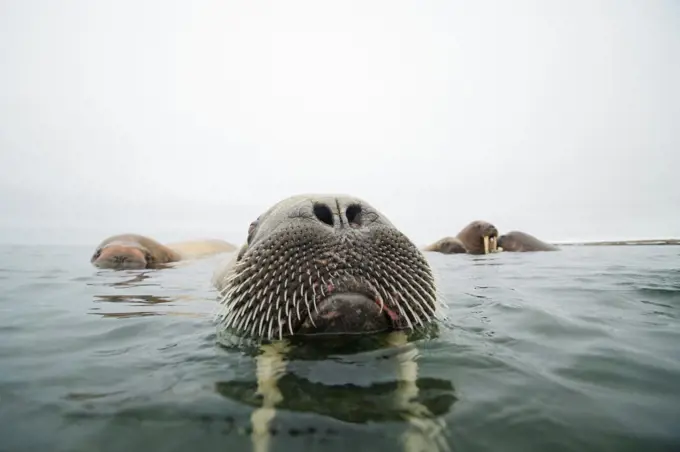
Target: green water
[[577, 350]]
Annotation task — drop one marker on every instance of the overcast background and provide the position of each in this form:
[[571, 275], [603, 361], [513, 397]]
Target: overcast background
[[187, 119]]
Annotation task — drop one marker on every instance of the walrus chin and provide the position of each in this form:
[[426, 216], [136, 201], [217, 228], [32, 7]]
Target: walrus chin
[[325, 265], [350, 310]]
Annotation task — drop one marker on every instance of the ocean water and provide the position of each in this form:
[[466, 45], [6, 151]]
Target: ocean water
[[577, 350]]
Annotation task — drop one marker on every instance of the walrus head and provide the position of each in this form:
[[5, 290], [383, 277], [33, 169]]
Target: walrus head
[[123, 256], [479, 237], [130, 252], [325, 264]]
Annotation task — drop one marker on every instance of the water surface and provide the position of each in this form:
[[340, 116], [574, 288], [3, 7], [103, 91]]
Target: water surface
[[575, 350]]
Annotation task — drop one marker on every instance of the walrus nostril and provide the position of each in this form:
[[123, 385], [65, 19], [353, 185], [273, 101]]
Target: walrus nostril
[[353, 214], [323, 213]]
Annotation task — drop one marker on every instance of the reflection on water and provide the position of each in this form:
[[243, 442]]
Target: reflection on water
[[347, 402], [135, 299], [568, 351]]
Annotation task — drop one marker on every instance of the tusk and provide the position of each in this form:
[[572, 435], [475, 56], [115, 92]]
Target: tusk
[[486, 244], [493, 244], [424, 431], [271, 364]]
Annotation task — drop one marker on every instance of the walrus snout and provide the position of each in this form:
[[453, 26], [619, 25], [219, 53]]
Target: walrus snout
[[119, 257], [325, 264], [347, 313]]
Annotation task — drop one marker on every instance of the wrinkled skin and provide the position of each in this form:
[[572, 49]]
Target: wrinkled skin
[[324, 264], [131, 252], [447, 245], [472, 237], [517, 241]]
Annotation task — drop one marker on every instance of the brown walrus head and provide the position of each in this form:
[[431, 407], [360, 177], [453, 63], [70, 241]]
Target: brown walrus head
[[325, 264], [130, 252], [479, 237]]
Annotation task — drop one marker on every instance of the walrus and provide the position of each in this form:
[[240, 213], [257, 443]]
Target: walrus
[[319, 265], [479, 237], [447, 245], [134, 251], [519, 241], [324, 264]]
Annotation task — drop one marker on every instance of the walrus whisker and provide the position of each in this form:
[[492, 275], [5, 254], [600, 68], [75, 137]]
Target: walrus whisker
[[248, 306], [390, 277], [408, 306], [297, 305], [229, 291], [387, 298], [290, 325], [422, 284], [235, 318], [418, 301], [309, 310], [269, 312], [403, 313], [225, 314], [246, 319], [238, 303], [253, 327], [260, 294], [260, 330]]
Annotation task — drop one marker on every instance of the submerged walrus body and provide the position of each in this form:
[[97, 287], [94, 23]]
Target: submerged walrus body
[[134, 251], [447, 245], [329, 264], [518, 241]]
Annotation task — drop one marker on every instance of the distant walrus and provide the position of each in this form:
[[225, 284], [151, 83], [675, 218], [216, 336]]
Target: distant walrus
[[134, 251], [447, 245], [319, 264], [479, 237], [521, 241]]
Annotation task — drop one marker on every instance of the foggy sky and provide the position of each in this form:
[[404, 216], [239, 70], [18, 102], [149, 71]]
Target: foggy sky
[[186, 119]]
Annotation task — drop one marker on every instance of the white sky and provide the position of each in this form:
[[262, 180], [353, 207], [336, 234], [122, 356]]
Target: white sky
[[185, 119]]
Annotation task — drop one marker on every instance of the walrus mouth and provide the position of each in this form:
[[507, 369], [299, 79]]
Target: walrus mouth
[[121, 256], [348, 313], [304, 280]]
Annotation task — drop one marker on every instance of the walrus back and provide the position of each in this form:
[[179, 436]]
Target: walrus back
[[447, 245], [191, 249], [522, 241]]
